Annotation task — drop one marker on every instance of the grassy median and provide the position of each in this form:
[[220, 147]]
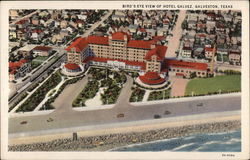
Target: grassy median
[[223, 84]]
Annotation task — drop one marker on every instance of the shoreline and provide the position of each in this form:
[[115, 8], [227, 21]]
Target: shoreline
[[103, 140]]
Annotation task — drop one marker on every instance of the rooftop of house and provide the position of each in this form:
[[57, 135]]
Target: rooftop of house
[[42, 48], [13, 66], [185, 64]]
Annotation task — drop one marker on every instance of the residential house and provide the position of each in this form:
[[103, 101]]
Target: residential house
[[208, 52], [235, 56], [198, 52], [35, 21], [132, 28], [13, 13], [63, 24], [150, 33], [22, 23], [186, 52], [18, 69], [37, 34], [191, 24], [26, 50], [42, 51]]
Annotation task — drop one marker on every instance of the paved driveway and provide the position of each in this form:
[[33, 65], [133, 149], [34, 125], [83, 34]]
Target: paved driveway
[[179, 86], [63, 102]]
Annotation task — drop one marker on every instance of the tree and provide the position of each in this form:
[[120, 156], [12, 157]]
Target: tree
[[192, 75]]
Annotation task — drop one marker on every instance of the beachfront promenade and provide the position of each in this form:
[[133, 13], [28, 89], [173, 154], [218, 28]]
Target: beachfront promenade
[[72, 121]]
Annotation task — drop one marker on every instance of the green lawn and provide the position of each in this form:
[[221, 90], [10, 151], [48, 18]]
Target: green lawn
[[225, 83], [41, 58], [35, 64], [159, 95]]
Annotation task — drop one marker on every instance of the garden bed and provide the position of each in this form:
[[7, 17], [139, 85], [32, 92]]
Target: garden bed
[[48, 104], [137, 95], [159, 95], [101, 77], [36, 98]]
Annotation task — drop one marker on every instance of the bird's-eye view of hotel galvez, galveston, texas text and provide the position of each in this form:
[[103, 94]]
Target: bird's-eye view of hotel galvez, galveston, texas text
[[93, 80]]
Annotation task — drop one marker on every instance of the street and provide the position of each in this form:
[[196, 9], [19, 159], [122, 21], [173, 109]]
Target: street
[[67, 118], [177, 33]]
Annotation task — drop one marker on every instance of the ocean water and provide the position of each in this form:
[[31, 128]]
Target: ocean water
[[212, 142]]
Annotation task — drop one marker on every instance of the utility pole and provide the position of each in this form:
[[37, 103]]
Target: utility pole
[[212, 61]]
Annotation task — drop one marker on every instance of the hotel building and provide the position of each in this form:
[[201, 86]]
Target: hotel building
[[119, 50]]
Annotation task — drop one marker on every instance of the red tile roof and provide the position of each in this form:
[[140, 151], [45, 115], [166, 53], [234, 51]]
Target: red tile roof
[[159, 38], [22, 21], [208, 49], [13, 66], [81, 43], [201, 35], [188, 65], [72, 66], [234, 52], [119, 36], [80, 21], [186, 48], [158, 51], [37, 31], [140, 44], [78, 44], [42, 48], [98, 40], [151, 78]]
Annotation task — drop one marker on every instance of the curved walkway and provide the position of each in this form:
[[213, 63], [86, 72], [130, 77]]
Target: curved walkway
[[63, 102]]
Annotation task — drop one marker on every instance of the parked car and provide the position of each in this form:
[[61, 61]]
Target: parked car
[[157, 116], [120, 115], [24, 122], [167, 112]]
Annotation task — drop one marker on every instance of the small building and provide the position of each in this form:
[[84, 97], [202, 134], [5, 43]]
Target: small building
[[26, 50], [192, 24], [42, 50], [132, 28], [234, 57], [13, 13], [63, 24], [208, 52], [22, 23], [152, 78], [35, 21], [37, 34], [186, 52], [71, 67], [185, 69], [18, 69]]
